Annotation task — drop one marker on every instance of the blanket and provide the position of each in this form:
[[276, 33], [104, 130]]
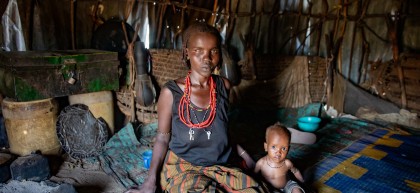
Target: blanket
[[122, 158]]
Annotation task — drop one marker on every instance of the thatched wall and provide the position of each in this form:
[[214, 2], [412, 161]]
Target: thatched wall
[[355, 37]]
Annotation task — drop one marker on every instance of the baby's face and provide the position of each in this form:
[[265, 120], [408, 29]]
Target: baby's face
[[277, 146]]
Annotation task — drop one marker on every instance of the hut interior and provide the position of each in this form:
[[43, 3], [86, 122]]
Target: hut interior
[[353, 63]]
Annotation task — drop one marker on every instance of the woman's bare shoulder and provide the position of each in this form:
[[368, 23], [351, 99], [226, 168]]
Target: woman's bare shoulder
[[180, 80], [226, 82]]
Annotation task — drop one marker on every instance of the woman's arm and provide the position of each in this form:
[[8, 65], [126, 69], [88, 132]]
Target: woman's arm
[[250, 163], [160, 147], [226, 83]]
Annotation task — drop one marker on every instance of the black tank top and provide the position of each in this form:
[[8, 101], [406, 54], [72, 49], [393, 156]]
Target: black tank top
[[201, 151]]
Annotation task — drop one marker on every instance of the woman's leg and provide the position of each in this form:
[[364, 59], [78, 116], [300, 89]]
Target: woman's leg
[[180, 176]]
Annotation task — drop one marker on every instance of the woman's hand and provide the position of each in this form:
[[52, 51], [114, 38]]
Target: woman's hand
[[161, 144], [147, 187]]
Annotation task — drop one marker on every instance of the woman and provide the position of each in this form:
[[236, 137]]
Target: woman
[[192, 149]]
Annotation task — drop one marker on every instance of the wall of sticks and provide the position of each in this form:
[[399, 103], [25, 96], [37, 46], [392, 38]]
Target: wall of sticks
[[357, 38]]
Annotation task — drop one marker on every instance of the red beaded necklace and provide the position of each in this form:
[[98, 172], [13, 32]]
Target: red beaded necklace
[[184, 105]]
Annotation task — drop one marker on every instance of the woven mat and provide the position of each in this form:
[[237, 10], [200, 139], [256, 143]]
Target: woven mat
[[383, 161], [334, 135]]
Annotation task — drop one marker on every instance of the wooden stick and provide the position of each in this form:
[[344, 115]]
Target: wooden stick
[[232, 21], [162, 11], [29, 23], [352, 43], [393, 31], [72, 2], [128, 9], [213, 14]]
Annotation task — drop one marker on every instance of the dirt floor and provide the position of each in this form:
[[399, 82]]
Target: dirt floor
[[247, 128], [86, 177], [15, 186]]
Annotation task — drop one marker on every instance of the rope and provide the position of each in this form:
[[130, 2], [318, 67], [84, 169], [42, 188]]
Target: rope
[[131, 60]]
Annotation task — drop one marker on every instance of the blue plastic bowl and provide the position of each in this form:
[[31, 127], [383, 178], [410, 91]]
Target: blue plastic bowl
[[309, 123]]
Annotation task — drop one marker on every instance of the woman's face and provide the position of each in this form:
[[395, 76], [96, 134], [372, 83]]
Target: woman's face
[[203, 52], [277, 146]]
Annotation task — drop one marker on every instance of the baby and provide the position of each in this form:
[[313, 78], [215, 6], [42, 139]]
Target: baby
[[274, 166]]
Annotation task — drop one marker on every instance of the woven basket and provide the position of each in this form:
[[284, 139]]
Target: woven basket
[[146, 115]]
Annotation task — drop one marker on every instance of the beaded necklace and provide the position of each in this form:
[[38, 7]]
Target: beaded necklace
[[185, 104], [208, 131], [268, 163]]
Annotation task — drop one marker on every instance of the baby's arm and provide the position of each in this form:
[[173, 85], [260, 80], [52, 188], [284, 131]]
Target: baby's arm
[[297, 174], [295, 171]]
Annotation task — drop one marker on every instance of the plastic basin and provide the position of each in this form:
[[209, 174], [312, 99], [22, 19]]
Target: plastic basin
[[308, 123]]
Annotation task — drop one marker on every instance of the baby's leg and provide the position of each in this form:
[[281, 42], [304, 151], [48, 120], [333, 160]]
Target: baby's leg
[[293, 187]]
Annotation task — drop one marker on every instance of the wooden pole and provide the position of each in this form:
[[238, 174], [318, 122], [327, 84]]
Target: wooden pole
[[393, 21], [73, 44], [213, 14]]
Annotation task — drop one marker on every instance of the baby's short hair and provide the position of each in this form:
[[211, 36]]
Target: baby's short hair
[[278, 127]]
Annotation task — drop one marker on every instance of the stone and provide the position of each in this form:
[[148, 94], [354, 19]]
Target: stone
[[33, 167]]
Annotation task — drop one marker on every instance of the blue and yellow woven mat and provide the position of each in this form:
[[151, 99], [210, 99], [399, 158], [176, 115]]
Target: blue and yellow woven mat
[[383, 161]]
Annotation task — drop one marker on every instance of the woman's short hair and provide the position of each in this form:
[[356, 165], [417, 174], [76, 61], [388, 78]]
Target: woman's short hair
[[192, 29]]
